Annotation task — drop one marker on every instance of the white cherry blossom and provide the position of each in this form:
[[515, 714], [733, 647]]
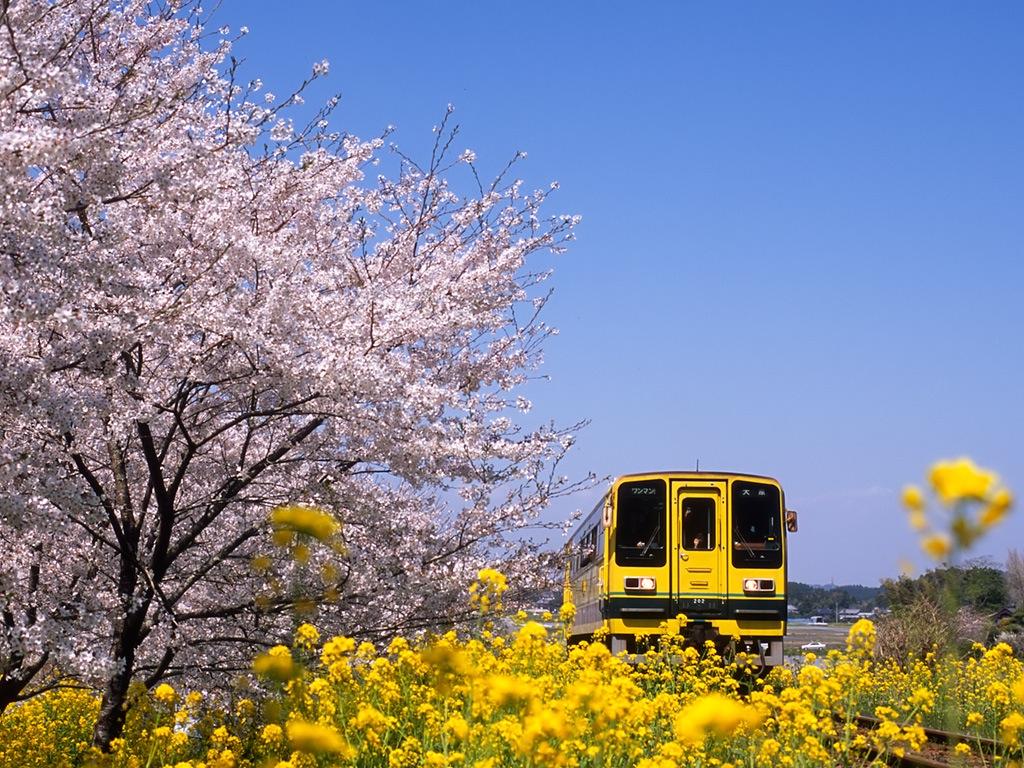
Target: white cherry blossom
[[197, 324]]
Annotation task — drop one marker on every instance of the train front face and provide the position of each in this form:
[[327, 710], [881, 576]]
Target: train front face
[[710, 546]]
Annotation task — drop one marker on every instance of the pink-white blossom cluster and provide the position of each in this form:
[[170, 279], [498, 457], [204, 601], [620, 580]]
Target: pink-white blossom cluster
[[208, 310]]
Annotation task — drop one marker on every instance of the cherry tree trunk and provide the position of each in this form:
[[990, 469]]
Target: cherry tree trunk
[[114, 705]]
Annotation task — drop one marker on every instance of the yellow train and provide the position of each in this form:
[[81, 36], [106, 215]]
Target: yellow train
[[707, 545]]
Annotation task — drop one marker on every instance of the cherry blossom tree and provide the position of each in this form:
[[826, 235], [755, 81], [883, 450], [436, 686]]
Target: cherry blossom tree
[[209, 312]]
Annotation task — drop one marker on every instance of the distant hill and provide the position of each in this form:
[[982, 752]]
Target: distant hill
[[812, 600]]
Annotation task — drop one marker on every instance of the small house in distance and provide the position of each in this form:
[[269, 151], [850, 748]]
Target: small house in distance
[[853, 614]]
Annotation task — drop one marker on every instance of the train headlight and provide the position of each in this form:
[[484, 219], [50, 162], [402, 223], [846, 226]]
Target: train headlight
[[641, 584], [759, 585]]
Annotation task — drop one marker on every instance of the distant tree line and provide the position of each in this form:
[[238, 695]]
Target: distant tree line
[[949, 608], [978, 585], [812, 600]]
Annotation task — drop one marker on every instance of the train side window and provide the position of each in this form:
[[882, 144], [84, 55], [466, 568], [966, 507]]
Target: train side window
[[575, 558], [587, 547], [591, 545], [698, 524]]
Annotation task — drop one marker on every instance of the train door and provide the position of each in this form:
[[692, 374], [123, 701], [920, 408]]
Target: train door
[[698, 509]]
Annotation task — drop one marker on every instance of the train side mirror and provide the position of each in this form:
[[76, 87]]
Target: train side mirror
[[791, 523]]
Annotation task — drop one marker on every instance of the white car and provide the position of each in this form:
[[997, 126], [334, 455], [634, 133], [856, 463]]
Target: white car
[[815, 646]]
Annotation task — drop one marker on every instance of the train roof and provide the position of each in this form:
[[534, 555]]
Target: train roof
[[693, 473]]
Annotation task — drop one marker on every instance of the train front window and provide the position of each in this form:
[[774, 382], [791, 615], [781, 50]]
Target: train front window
[[699, 524], [640, 523], [756, 525]]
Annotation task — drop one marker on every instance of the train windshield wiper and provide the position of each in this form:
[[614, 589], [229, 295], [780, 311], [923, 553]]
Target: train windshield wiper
[[650, 541], [739, 537]]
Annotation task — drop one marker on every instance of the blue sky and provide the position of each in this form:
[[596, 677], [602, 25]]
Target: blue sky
[[802, 227]]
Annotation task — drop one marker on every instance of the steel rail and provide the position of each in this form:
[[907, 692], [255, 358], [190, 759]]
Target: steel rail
[[937, 737], [941, 737]]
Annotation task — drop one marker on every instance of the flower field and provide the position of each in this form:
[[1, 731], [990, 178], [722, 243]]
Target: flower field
[[267, 396], [518, 695], [522, 698]]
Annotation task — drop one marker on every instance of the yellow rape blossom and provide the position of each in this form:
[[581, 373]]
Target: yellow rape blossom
[[276, 664], [937, 546], [714, 713], [457, 726], [165, 694], [272, 734], [1010, 728], [532, 630], [996, 509], [1018, 690], [306, 636], [923, 699], [861, 637], [336, 649], [485, 593], [973, 500], [317, 739], [305, 520], [960, 479], [913, 499]]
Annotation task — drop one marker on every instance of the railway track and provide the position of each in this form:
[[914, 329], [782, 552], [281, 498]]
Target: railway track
[[939, 751]]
